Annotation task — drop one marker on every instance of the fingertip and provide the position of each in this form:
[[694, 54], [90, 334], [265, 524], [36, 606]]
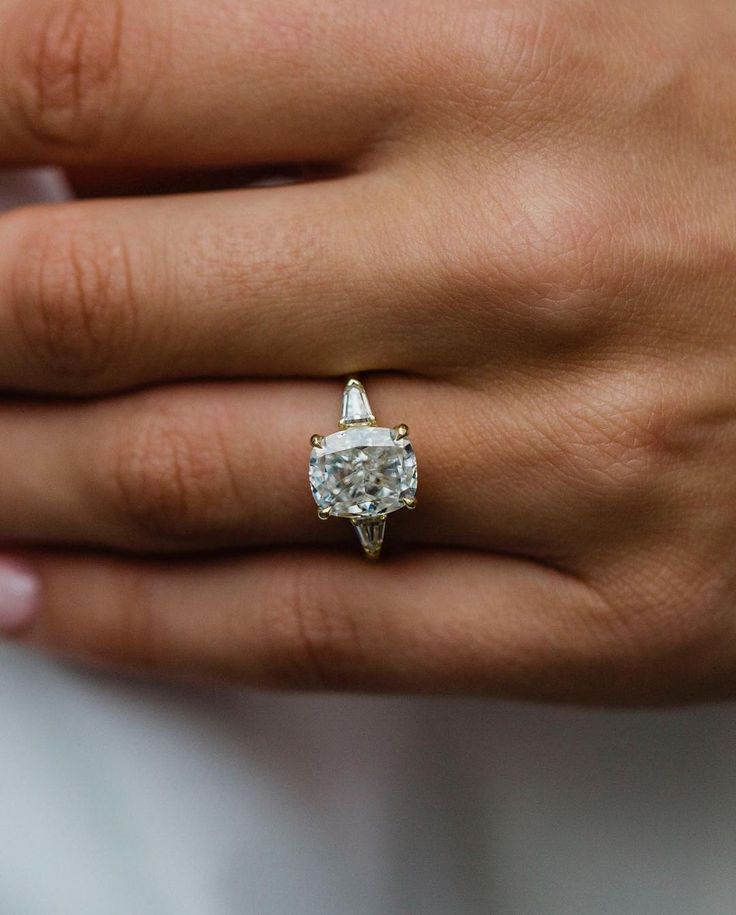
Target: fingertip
[[20, 596]]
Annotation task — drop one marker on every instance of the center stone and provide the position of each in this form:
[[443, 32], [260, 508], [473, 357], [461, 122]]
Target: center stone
[[363, 472]]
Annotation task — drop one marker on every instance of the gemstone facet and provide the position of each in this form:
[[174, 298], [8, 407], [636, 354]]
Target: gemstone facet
[[363, 472]]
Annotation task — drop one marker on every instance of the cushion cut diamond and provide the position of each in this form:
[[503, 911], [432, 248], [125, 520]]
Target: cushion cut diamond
[[363, 472]]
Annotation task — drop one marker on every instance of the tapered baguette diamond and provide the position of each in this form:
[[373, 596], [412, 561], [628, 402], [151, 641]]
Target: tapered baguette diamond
[[371, 532], [356, 411], [363, 472]]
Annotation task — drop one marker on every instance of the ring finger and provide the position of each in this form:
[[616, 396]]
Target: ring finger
[[223, 465]]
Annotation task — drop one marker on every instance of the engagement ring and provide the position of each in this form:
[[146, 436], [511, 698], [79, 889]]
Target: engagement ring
[[363, 472]]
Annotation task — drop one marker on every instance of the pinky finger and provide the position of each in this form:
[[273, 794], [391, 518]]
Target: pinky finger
[[440, 621]]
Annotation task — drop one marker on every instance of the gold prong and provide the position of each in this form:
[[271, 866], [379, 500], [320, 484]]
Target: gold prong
[[324, 513], [353, 382], [317, 441], [410, 503], [372, 555], [400, 431]]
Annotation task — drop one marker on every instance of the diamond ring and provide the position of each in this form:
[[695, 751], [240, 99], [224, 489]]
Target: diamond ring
[[363, 472]]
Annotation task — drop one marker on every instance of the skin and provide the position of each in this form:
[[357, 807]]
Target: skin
[[522, 225]]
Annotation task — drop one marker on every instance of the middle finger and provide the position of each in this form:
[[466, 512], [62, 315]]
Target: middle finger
[[329, 278], [299, 280]]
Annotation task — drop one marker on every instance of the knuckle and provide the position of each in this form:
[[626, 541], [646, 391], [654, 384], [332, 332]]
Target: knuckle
[[541, 46], [543, 261], [68, 70], [615, 439], [171, 479], [73, 298], [312, 637], [519, 56], [675, 610], [562, 239], [606, 444], [564, 257]]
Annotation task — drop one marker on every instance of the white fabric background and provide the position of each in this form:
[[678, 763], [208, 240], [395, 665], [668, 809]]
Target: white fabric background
[[124, 798]]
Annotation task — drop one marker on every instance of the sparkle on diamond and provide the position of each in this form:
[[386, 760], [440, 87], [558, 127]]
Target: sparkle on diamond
[[363, 472]]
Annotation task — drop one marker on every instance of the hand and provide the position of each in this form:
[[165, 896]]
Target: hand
[[528, 236]]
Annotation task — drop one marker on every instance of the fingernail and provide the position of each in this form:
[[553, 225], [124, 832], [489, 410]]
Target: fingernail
[[20, 596]]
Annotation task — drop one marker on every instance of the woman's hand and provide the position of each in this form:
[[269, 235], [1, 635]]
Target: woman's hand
[[528, 235]]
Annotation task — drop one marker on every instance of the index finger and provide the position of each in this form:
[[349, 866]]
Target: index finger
[[184, 83]]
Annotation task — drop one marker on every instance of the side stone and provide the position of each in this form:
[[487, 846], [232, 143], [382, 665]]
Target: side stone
[[356, 410]]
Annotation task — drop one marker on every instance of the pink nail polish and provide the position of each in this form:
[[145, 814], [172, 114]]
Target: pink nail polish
[[20, 593]]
